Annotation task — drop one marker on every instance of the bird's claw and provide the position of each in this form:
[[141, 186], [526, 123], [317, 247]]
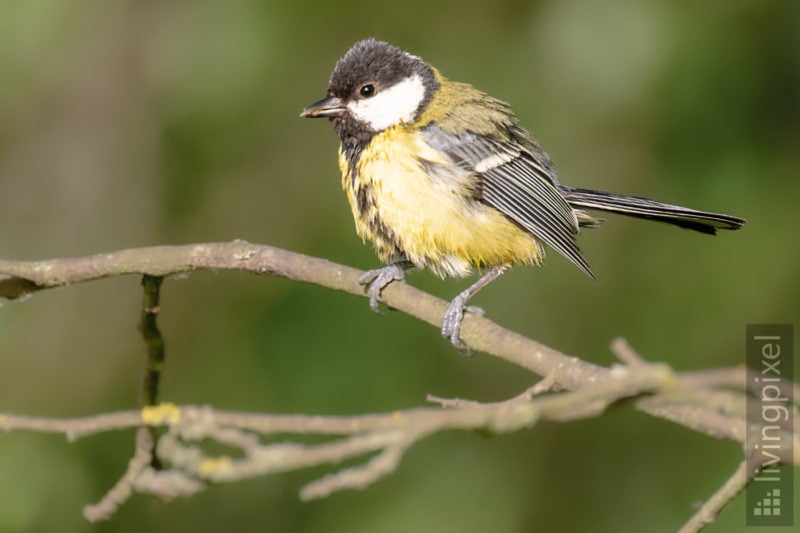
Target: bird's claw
[[451, 323], [374, 281]]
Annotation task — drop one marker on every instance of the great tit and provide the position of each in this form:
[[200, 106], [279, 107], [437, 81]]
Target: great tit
[[440, 175]]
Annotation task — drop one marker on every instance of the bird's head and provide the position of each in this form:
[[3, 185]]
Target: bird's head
[[375, 86]]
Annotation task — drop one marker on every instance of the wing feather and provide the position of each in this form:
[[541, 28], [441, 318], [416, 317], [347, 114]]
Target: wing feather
[[514, 181]]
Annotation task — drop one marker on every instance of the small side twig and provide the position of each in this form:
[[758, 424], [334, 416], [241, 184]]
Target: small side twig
[[123, 489], [625, 352], [727, 492], [154, 341]]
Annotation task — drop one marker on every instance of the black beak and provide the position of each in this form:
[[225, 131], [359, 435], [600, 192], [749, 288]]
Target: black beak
[[327, 107]]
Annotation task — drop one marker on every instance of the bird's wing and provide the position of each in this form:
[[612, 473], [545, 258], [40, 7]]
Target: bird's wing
[[513, 181]]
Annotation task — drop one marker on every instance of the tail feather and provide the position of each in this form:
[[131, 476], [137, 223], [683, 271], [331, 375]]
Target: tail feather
[[638, 207]]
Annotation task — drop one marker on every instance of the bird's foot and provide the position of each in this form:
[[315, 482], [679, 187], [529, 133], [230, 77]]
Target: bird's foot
[[451, 323], [374, 281]]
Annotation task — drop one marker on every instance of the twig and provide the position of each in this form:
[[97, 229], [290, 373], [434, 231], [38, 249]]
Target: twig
[[154, 341], [540, 387], [711, 508], [625, 352], [122, 490], [736, 378]]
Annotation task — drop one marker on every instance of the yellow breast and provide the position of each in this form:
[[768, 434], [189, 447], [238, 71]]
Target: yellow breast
[[414, 204]]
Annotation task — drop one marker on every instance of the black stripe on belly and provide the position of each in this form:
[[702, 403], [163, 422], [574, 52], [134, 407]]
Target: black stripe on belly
[[383, 237]]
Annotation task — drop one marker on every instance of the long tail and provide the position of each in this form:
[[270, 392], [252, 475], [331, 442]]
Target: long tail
[[634, 206]]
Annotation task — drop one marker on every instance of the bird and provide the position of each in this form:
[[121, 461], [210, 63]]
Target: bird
[[442, 176]]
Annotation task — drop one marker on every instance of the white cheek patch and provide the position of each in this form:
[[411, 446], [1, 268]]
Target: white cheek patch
[[391, 106]]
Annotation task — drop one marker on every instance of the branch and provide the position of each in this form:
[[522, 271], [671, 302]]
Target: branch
[[26, 277], [388, 434], [710, 401], [18, 278]]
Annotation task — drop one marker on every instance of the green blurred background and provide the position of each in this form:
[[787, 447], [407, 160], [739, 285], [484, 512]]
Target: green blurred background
[[133, 123]]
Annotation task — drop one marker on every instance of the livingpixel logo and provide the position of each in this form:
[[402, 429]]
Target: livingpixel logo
[[770, 422]]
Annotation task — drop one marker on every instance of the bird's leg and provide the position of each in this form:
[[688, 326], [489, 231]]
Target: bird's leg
[[451, 323], [376, 280]]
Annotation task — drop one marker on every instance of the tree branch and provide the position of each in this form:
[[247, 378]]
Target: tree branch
[[711, 401], [390, 434], [25, 277]]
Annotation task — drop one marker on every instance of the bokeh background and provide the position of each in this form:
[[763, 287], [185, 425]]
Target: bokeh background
[[133, 123]]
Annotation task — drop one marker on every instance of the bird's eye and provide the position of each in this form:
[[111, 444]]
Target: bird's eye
[[367, 90]]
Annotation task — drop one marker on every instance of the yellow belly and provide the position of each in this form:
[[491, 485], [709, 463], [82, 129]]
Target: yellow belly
[[433, 220]]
